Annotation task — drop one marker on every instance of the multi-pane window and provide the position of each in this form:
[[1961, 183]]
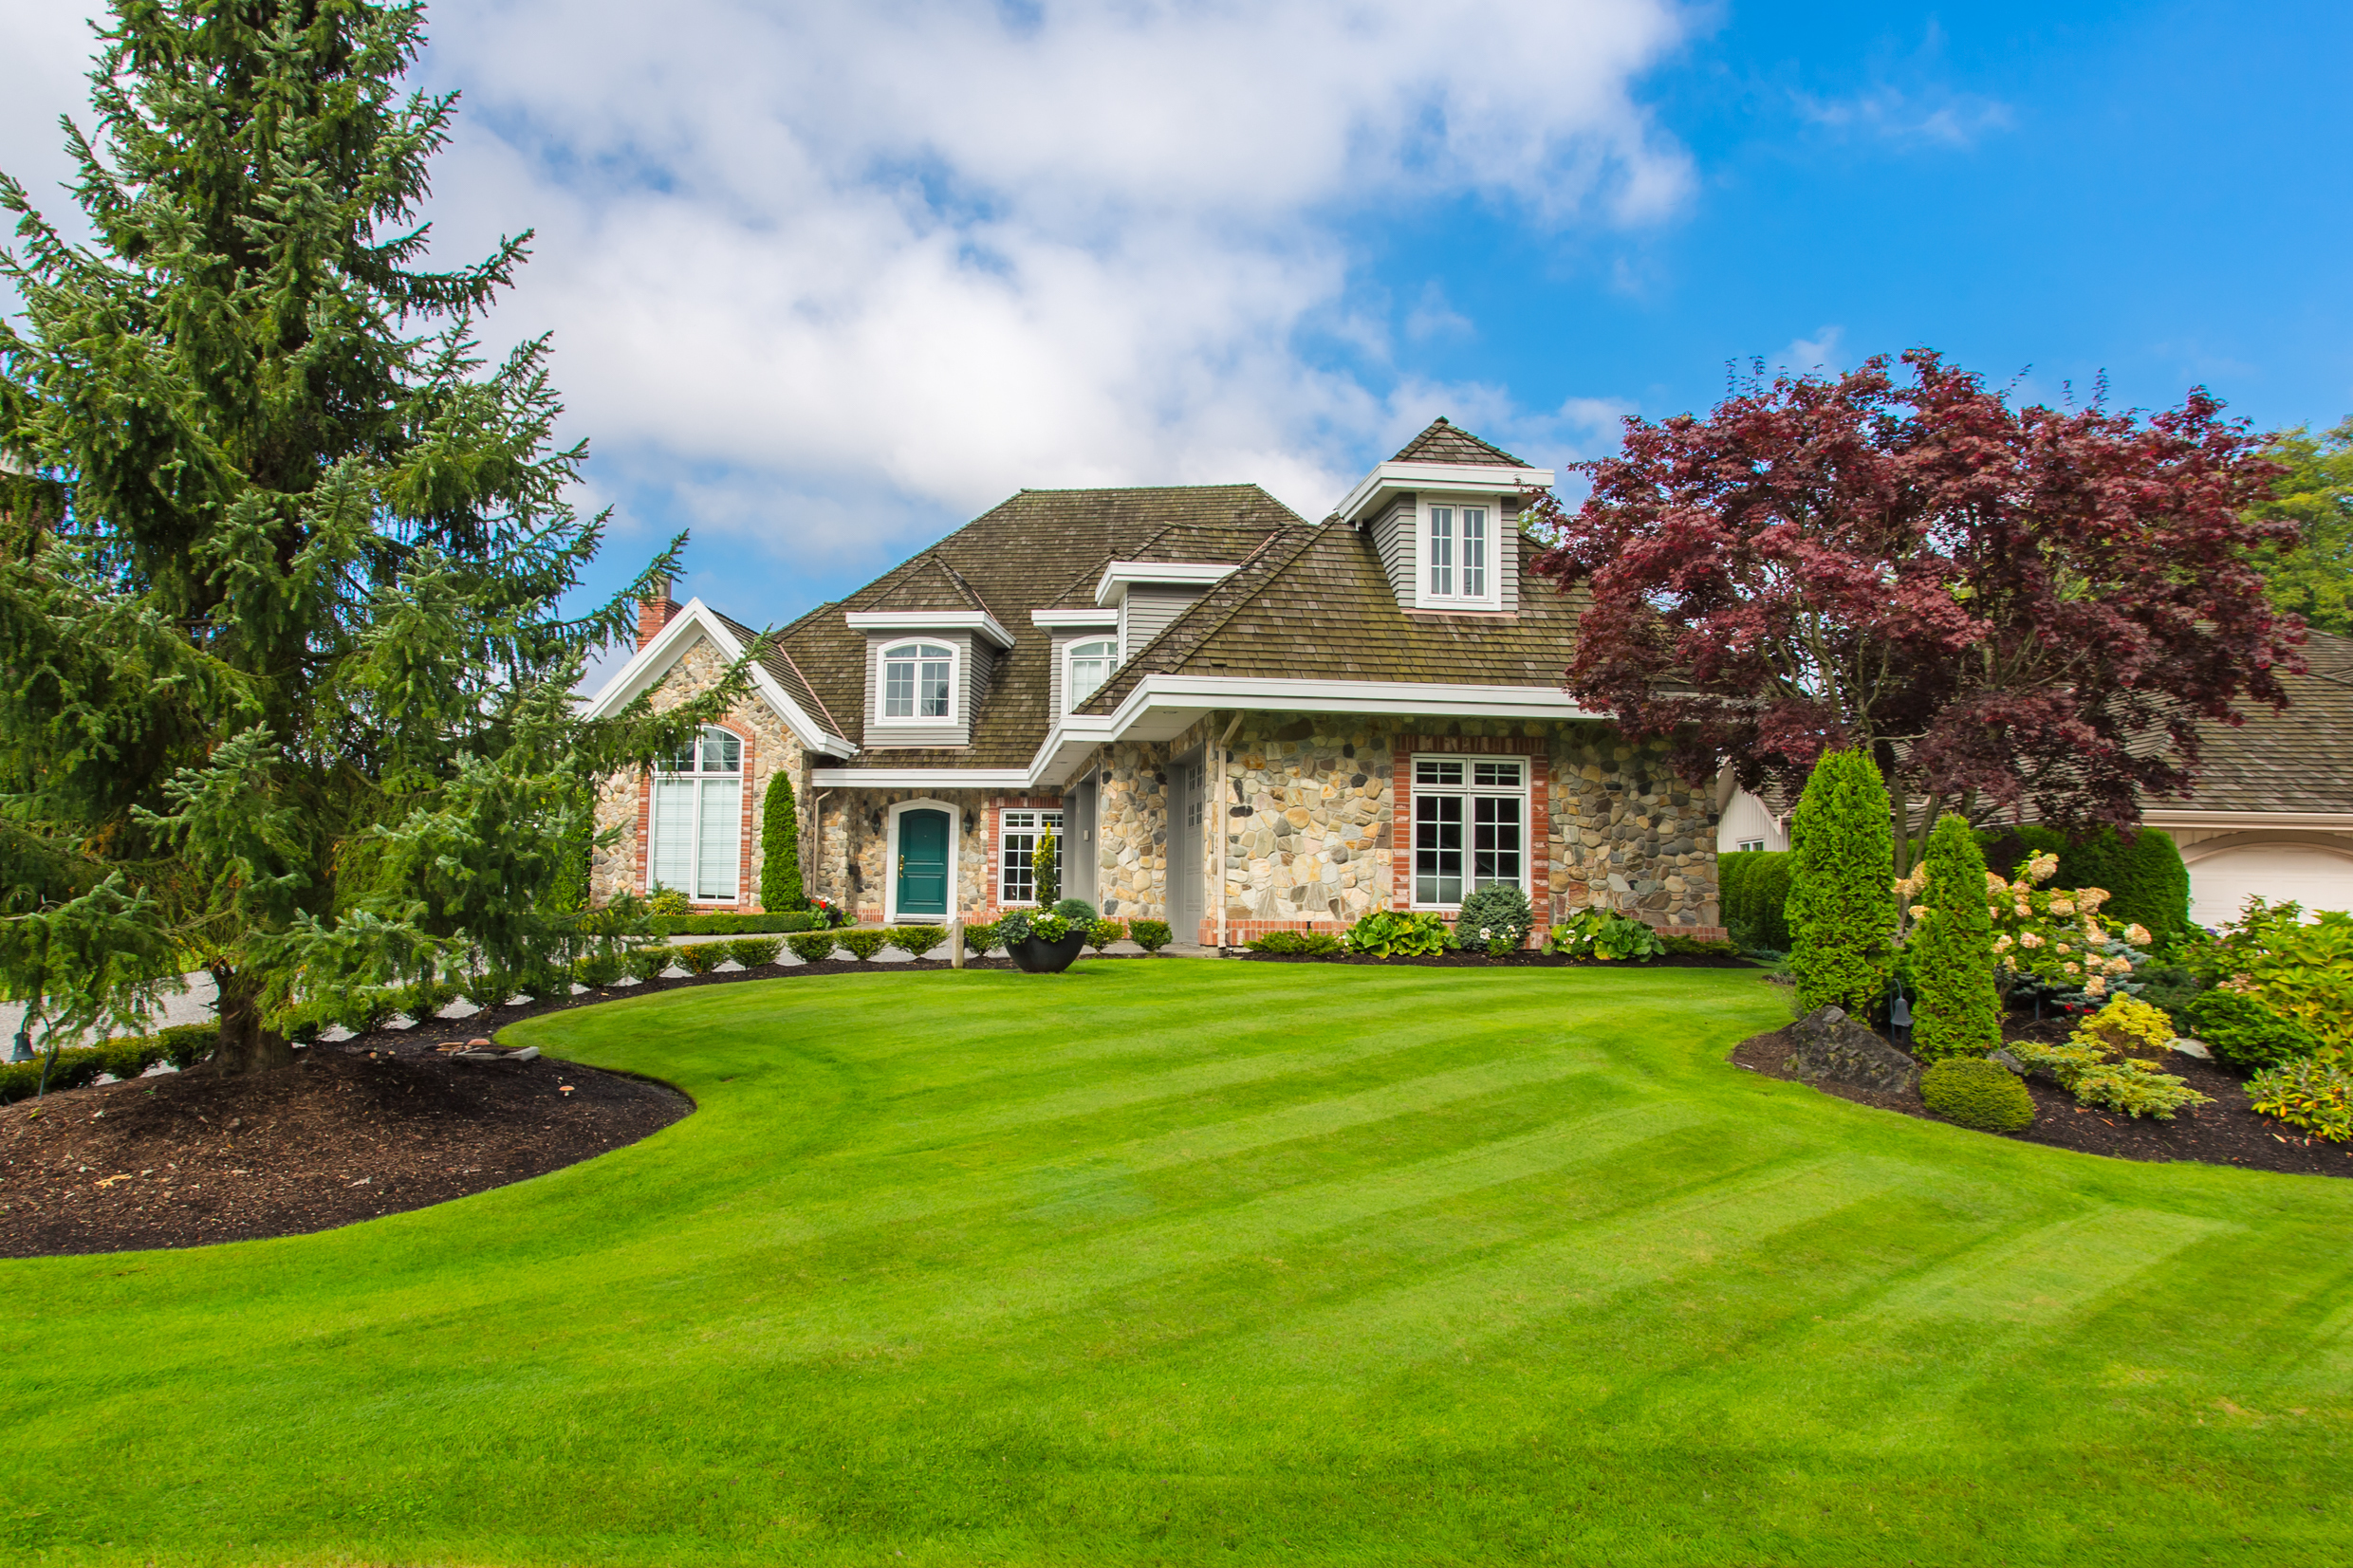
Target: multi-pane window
[[1469, 826], [1749, 845], [1090, 666], [1196, 796], [698, 818], [918, 680], [1457, 552], [1017, 850]]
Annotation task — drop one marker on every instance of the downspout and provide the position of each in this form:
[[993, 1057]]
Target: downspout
[[813, 830], [1225, 829]]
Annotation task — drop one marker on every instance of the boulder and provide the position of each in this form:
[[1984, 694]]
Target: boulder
[[1832, 1047], [2008, 1060]]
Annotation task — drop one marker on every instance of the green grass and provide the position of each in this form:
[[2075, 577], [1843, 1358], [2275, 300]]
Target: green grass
[[1186, 1262]]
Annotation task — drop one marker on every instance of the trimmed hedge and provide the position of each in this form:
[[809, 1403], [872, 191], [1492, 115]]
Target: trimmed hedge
[[757, 952], [733, 925], [863, 945], [917, 940], [2143, 874], [1151, 935], [1754, 887], [811, 946], [700, 958], [78, 1066], [980, 936], [1977, 1093], [1101, 934], [1314, 944]]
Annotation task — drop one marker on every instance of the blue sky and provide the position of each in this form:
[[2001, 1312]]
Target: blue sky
[[826, 281]]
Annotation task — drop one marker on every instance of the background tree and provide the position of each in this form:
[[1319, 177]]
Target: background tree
[[1957, 1011], [1841, 888], [2313, 578], [287, 685], [780, 847], [1999, 606]]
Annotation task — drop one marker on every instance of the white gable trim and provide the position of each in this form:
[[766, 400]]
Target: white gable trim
[[930, 621], [653, 661], [1479, 478], [1122, 575]]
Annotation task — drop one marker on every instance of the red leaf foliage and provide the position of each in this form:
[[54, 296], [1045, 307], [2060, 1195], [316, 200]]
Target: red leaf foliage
[[2003, 605]]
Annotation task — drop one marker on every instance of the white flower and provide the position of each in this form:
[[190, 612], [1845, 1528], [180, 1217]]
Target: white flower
[[2001, 942], [2095, 987], [2137, 934], [2075, 968], [2061, 906], [1919, 911], [2029, 939]]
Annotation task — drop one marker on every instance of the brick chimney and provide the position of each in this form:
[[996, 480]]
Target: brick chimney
[[655, 610]]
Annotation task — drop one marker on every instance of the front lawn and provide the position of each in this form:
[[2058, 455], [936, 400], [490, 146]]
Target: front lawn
[[1176, 1261]]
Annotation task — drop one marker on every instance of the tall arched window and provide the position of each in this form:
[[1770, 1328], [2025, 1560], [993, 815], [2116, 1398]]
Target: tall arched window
[[1090, 666], [918, 680], [699, 798]]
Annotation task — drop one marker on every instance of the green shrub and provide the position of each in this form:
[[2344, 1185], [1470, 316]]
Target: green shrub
[[1313, 944], [1401, 933], [735, 925], [863, 945], [2315, 1096], [1496, 918], [780, 848], [980, 936], [1753, 886], [599, 969], [2240, 1030], [646, 964], [1076, 911], [1842, 890], [700, 958], [304, 1022], [1604, 934], [1955, 1010], [547, 981], [185, 1044], [423, 1000], [1977, 1093], [755, 952], [670, 901], [490, 989], [1103, 932], [2087, 1070], [365, 1011], [1045, 870], [1151, 935], [813, 947], [917, 940], [1691, 947], [2128, 1026], [2173, 989]]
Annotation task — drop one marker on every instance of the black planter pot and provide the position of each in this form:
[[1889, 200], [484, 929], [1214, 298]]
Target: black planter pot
[[1038, 957]]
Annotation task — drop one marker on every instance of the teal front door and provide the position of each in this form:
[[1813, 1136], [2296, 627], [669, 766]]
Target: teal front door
[[923, 863]]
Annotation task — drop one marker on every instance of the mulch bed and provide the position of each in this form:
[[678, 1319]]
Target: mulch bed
[[355, 1129], [2228, 1131], [1524, 959]]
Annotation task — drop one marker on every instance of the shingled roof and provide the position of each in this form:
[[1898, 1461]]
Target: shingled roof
[[1039, 550], [2300, 760], [1446, 443]]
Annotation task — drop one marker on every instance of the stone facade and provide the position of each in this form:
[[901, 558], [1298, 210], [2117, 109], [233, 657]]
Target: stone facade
[[1310, 813], [1131, 830], [622, 799], [1627, 834], [853, 859]]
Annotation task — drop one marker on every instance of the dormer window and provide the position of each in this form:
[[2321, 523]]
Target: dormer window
[[918, 682], [1090, 666], [1459, 553]]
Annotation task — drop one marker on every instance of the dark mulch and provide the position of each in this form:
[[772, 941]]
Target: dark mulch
[[2228, 1131], [1521, 960]]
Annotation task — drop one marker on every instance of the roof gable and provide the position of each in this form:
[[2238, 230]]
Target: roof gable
[[1447, 443]]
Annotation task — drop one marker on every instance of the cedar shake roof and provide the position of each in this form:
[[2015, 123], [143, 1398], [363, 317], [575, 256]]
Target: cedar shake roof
[[778, 663], [2297, 760], [1039, 550], [1445, 443], [1318, 606]]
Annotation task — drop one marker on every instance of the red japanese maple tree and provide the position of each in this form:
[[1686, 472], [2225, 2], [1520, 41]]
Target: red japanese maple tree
[[2003, 605]]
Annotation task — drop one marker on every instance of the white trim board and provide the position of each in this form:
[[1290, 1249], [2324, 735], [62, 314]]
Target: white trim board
[[1052, 618], [1393, 478], [1121, 574], [648, 664], [929, 620]]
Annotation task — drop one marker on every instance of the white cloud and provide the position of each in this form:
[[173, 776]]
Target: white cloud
[[1940, 117], [1433, 316], [1819, 352], [822, 274]]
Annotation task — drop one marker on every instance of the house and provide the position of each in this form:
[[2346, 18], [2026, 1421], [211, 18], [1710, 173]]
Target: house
[[1232, 718], [2272, 813]]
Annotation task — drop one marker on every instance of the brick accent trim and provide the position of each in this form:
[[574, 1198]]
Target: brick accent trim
[[1238, 932], [1539, 826], [995, 837]]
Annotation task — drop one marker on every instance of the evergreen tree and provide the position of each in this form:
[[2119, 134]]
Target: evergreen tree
[[287, 685], [780, 848], [1046, 869], [1841, 887], [1957, 1011]]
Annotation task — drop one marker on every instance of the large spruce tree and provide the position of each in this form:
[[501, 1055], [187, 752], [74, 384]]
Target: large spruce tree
[[287, 687]]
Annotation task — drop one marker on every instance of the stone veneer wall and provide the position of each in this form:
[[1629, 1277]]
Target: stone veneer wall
[[853, 848], [622, 798]]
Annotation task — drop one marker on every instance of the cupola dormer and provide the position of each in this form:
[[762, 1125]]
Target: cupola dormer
[[1445, 515]]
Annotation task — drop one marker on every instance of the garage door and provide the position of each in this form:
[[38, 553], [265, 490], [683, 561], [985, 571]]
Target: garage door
[[2222, 884]]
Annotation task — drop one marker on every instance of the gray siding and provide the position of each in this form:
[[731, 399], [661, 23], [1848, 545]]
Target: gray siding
[[1059, 664], [1147, 612], [1507, 556], [1395, 534], [884, 736]]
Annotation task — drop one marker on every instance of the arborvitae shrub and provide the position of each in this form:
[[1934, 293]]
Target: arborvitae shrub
[[1842, 893], [1045, 870], [813, 947], [1957, 1010], [780, 848], [2156, 889], [1754, 888], [863, 945], [1977, 1093]]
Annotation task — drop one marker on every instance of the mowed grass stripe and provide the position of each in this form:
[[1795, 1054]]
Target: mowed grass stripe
[[2046, 1275]]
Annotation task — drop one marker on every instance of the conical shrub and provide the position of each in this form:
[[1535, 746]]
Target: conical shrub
[[1957, 1011], [1841, 888]]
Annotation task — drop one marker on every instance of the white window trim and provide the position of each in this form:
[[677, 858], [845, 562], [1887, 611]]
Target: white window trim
[[1749, 846], [1070, 656], [1492, 598], [919, 721], [743, 782], [955, 858], [1524, 794], [1053, 811]]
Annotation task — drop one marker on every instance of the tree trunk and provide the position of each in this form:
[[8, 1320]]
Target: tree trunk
[[246, 1045]]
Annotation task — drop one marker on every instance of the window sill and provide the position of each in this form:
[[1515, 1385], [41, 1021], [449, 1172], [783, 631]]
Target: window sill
[[1477, 611]]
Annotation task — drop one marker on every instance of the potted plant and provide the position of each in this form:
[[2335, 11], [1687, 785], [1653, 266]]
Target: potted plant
[[1042, 943]]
